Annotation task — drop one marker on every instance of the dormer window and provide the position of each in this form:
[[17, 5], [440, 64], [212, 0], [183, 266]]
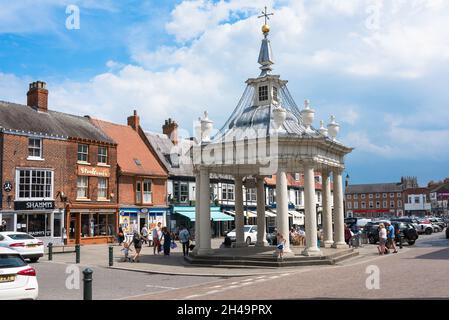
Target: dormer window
[[263, 93], [275, 93]]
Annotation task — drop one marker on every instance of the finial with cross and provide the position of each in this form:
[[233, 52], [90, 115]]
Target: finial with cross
[[266, 15]]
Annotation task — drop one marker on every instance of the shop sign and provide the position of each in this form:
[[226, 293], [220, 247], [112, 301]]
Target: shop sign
[[34, 205], [94, 171]]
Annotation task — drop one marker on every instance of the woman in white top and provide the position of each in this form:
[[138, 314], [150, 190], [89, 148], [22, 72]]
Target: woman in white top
[[382, 239]]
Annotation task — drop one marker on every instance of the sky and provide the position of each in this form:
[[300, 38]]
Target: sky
[[380, 66]]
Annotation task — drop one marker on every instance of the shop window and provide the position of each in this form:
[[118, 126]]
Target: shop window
[[298, 197], [35, 148], [384, 204], [349, 205], [147, 196], [102, 188], [35, 224], [83, 152], [103, 155], [97, 224], [34, 184], [82, 188]]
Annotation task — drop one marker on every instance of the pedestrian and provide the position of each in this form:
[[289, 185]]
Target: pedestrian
[[156, 234], [167, 241], [184, 237], [391, 237], [382, 239], [126, 249], [137, 242], [280, 246], [120, 236], [302, 237], [348, 234], [399, 236], [144, 233]]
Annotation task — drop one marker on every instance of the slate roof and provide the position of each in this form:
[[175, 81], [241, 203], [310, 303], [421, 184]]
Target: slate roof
[[372, 188], [170, 154], [133, 155], [52, 123]]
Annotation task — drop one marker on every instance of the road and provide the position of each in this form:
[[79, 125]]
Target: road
[[419, 271]]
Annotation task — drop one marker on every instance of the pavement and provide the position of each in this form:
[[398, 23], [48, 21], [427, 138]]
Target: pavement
[[98, 255], [418, 271]]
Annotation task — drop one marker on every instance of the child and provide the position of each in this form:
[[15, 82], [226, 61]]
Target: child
[[126, 249], [280, 247]]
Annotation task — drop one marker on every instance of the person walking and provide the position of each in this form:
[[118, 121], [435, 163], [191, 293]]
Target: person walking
[[145, 234], [167, 241], [156, 234], [391, 237], [137, 242], [382, 239], [184, 237], [120, 236], [348, 234]]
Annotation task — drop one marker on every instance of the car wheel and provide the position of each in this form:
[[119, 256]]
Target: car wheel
[[248, 241], [429, 231], [411, 242], [34, 260], [372, 240]]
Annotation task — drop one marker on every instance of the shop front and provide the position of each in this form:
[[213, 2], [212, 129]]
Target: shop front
[[92, 225], [134, 218], [40, 219]]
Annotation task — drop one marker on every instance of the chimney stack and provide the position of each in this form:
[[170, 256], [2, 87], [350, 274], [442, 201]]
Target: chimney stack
[[170, 129], [134, 121], [37, 96]]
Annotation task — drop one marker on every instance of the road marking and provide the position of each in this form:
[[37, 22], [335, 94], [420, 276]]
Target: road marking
[[216, 286], [212, 292], [161, 287], [192, 296], [246, 280]]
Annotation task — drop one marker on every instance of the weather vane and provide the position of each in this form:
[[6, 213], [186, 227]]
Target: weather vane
[[266, 15]]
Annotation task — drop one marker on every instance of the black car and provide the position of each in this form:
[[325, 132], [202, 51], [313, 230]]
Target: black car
[[405, 232]]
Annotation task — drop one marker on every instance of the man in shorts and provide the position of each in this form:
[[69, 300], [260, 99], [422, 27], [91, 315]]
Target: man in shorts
[[391, 237]]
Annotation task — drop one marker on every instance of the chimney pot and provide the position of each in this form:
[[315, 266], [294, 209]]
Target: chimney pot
[[170, 129], [37, 96]]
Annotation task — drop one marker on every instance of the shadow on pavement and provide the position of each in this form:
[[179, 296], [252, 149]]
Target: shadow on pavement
[[436, 255]]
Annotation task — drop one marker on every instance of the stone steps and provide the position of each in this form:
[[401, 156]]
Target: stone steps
[[269, 262]]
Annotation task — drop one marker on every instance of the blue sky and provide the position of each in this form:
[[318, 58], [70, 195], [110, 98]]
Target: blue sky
[[380, 66]]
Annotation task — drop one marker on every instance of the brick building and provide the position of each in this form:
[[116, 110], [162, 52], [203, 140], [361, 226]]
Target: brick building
[[439, 196], [142, 177], [378, 200], [58, 173]]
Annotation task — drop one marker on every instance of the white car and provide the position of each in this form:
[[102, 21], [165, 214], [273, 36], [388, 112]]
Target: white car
[[250, 234], [28, 246], [17, 279]]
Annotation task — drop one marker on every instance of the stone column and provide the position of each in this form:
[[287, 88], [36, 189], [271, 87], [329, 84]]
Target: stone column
[[261, 229], [282, 207], [205, 236], [327, 210], [339, 235], [310, 212], [197, 212], [239, 218]]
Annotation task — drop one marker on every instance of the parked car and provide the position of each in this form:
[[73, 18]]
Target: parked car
[[426, 223], [28, 246], [439, 222], [271, 236], [250, 234], [407, 232], [420, 226], [17, 280], [360, 222]]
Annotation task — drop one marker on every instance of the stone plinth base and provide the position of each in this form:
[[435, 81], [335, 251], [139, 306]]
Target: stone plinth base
[[312, 252], [340, 245], [328, 244]]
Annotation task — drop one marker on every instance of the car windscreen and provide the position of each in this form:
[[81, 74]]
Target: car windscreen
[[11, 261], [20, 236]]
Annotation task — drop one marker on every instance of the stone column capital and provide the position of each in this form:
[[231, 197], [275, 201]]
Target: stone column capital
[[338, 170]]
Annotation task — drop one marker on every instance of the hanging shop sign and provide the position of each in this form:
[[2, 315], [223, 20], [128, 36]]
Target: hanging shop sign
[[7, 186]]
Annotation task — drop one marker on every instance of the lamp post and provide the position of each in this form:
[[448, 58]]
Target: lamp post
[[344, 198]]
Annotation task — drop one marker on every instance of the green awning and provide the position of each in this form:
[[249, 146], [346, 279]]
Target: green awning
[[215, 213]]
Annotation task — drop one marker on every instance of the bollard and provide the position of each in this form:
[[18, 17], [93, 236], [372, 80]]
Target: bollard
[[87, 284], [50, 251], [111, 256], [77, 253]]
